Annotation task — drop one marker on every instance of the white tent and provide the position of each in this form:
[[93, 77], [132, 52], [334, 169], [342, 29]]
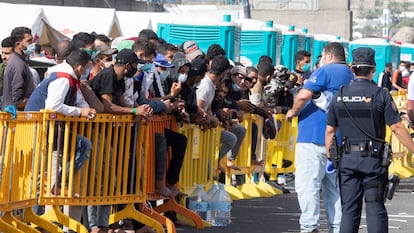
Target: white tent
[[31, 16], [71, 20], [133, 22]]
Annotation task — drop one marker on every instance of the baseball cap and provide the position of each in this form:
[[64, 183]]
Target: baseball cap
[[106, 51], [198, 67], [160, 60], [191, 50], [127, 56], [363, 56], [238, 69]]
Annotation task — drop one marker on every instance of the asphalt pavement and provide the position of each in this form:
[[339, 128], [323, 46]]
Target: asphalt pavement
[[280, 214]]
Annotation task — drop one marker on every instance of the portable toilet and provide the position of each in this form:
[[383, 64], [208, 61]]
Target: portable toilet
[[385, 51], [257, 38], [288, 43], [309, 38], [320, 40], [204, 32], [407, 52]]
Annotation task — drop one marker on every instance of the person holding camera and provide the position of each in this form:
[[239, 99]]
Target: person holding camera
[[361, 112]]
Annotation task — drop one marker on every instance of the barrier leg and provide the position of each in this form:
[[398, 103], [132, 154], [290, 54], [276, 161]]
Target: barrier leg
[[166, 222], [131, 212], [30, 216], [8, 217], [6, 226], [172, 205], [56, 215]]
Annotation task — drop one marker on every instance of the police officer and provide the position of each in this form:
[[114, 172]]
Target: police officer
[[361, 111]]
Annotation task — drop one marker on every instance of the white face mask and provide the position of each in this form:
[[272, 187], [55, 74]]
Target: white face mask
[[107, 64], [182, 78], [164, 75]]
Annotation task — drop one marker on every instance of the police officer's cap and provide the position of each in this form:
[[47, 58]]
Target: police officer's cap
[[363, 56]]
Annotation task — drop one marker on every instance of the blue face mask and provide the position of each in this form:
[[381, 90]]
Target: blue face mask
[[85, 76], [235, 87], [145, 67], [30, 49], [306, 67]]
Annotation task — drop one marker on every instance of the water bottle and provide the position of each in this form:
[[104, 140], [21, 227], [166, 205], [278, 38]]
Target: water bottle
[[210, 194], [221, 207], [199, 202]]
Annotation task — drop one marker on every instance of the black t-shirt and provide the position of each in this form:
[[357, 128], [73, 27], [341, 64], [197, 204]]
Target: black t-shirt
[[106, 82]]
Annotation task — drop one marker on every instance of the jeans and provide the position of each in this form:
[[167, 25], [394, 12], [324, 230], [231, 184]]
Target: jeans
[[231, 140], [310, 178], [178, 144]]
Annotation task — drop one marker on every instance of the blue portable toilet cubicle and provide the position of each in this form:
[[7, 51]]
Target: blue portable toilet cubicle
[[385, 51], [309, 38], [407, 52], [205, 33], [320, 40], [257, 38], [288, 44]]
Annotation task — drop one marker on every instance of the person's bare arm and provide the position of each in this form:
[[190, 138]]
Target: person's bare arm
[[303, 96], [403, 135]]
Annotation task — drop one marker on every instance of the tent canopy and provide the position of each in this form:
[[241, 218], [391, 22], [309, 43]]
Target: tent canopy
[[33, 18], [71, 20]]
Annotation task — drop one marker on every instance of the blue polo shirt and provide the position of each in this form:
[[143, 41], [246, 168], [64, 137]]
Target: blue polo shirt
[[312, 120]]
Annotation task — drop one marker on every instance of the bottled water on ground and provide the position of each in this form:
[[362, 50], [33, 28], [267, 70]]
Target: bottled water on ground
[[198, 202], [210, 194], [221, 207]]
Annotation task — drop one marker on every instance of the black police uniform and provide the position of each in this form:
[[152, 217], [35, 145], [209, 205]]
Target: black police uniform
[[361, 173]]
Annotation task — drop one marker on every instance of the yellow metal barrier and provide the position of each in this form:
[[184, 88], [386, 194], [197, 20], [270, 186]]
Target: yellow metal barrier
[[157, 125], [249, 189], [283, 147], [19, 149], [201, 156], [113, 144]]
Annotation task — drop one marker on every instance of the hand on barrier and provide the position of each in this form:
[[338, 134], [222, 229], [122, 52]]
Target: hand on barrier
[[12, 110], [330, 167]]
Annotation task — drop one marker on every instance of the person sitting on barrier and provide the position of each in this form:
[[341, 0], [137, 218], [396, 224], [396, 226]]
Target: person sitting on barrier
[[60, 93], [109, 87], [175, 140], [188, 93], [230, 140]]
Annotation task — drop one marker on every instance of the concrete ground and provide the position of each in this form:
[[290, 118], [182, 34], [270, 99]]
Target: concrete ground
[[280, 214]]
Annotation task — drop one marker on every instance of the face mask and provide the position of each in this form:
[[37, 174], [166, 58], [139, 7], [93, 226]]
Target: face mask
[[85, 76], [405, 73], [107, 64], [321, 63], [401, 68], [30, 49], [164, 75], [235, 87], [91, 52], [182, 78], [132, 72], [145, 67], [306, 67]]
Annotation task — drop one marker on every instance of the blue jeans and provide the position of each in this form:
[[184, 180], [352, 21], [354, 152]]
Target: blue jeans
[[83, 149], [310, 178]]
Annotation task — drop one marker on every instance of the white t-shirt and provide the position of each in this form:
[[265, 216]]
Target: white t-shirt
[[206, 91], [410, 94]]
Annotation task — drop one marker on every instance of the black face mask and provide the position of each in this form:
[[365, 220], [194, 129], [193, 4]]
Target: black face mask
[[131, 72]]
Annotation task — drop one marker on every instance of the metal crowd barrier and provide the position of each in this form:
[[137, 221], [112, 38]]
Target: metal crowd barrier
[[114, 173], [20, 147], [157, 125], [282, 147]]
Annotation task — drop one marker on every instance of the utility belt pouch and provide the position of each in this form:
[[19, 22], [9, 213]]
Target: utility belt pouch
[[363, 149], [386, 155], [346, 146]]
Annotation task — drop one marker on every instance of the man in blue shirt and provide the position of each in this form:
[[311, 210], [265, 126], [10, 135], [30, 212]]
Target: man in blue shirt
[[310, 151]]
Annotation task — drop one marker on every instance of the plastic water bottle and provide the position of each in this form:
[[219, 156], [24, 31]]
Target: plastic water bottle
[[221, 207], [199, 202], [210, 194]]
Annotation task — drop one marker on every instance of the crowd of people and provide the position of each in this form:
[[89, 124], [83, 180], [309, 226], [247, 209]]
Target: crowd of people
[[146, 75]]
